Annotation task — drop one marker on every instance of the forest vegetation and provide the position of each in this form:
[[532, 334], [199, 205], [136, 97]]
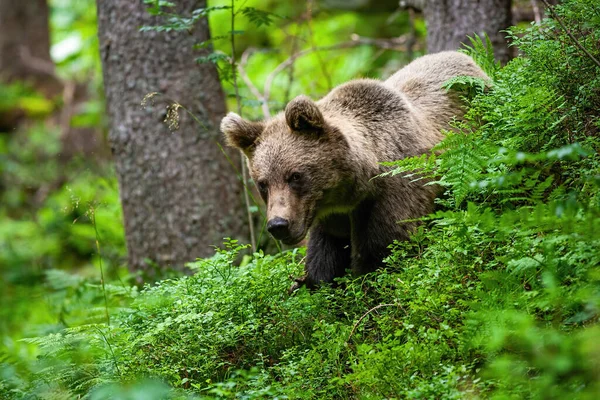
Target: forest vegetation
[[496, 295]]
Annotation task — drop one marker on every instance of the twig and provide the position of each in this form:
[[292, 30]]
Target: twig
[[569, 33], [110, 348], [67, 111], [253, 89], [248, 191], [364, 316], [239, 110], [37, 64], [536, 11], [412, 34], [309, 12], [286, 97], [92, 215], [398, 43]]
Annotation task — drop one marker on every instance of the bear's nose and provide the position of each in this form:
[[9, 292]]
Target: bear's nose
[[278, 227]]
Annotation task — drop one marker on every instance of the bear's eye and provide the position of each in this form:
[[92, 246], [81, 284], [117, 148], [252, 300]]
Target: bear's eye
[[262, 186], [295, 177]]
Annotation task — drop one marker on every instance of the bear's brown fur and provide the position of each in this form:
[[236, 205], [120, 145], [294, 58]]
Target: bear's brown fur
[[314, 163]]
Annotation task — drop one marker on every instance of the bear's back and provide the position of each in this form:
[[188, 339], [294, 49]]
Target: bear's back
[[421, 83], [378, 118]]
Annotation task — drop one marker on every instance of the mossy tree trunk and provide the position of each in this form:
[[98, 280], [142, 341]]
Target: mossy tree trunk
[[179, 193]]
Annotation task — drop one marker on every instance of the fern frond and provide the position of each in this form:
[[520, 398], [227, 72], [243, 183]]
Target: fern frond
[[414, 168], [483, 54], [467, 86], [463, 162]]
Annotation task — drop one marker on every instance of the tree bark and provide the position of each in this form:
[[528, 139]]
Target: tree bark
[[179, 193], [449, 22], [25, 45], [25, 53]]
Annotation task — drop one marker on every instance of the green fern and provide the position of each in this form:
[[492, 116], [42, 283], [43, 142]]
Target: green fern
[[483, 54], [416, 168], [259, 17], [468, 86], [463, 162]]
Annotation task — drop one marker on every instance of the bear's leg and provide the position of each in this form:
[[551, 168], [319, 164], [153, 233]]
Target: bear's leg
[[374, 227], [327, 257]]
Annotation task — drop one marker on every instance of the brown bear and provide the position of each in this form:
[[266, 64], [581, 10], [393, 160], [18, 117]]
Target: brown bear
[[314, 164]]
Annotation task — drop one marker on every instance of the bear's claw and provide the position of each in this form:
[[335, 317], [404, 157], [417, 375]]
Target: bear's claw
[[298, 283]]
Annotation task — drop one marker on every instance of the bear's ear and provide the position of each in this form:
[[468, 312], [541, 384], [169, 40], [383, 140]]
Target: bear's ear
[[303, 114], [239, 132]]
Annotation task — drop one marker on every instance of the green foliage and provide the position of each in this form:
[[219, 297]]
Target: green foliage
[[520, 178], [75, 49], [174, 21], [258, 17], [44, 225], [272, 31], [223, 317], [496, 295], [155, 7], [483, 54], [48, 197], [469, 85], [18, 96]]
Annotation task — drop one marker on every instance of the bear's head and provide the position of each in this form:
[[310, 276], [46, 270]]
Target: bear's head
[[299, 162]]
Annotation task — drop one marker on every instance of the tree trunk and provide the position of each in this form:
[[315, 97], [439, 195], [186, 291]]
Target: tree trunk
[[25, 44], [25, 52], [449, 22], [179, 193]]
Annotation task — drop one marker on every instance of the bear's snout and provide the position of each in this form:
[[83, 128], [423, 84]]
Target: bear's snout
[[279, 228]]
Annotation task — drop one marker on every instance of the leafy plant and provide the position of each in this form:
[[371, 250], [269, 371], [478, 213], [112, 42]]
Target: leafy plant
[[496, 295]]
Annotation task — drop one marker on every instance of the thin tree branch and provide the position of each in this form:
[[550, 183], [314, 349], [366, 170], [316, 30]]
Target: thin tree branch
[[309, 11], [253, 89], [365, 315], [569, 33], [398, 44], [239, 110], [37, 64], [412, 34], [291, 71], [67, 111], [536, 11]]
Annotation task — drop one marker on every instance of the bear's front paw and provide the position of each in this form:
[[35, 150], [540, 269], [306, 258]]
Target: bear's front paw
[[298, 283]]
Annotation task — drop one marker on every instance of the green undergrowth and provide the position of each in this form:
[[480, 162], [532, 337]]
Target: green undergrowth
[[497, 295]]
